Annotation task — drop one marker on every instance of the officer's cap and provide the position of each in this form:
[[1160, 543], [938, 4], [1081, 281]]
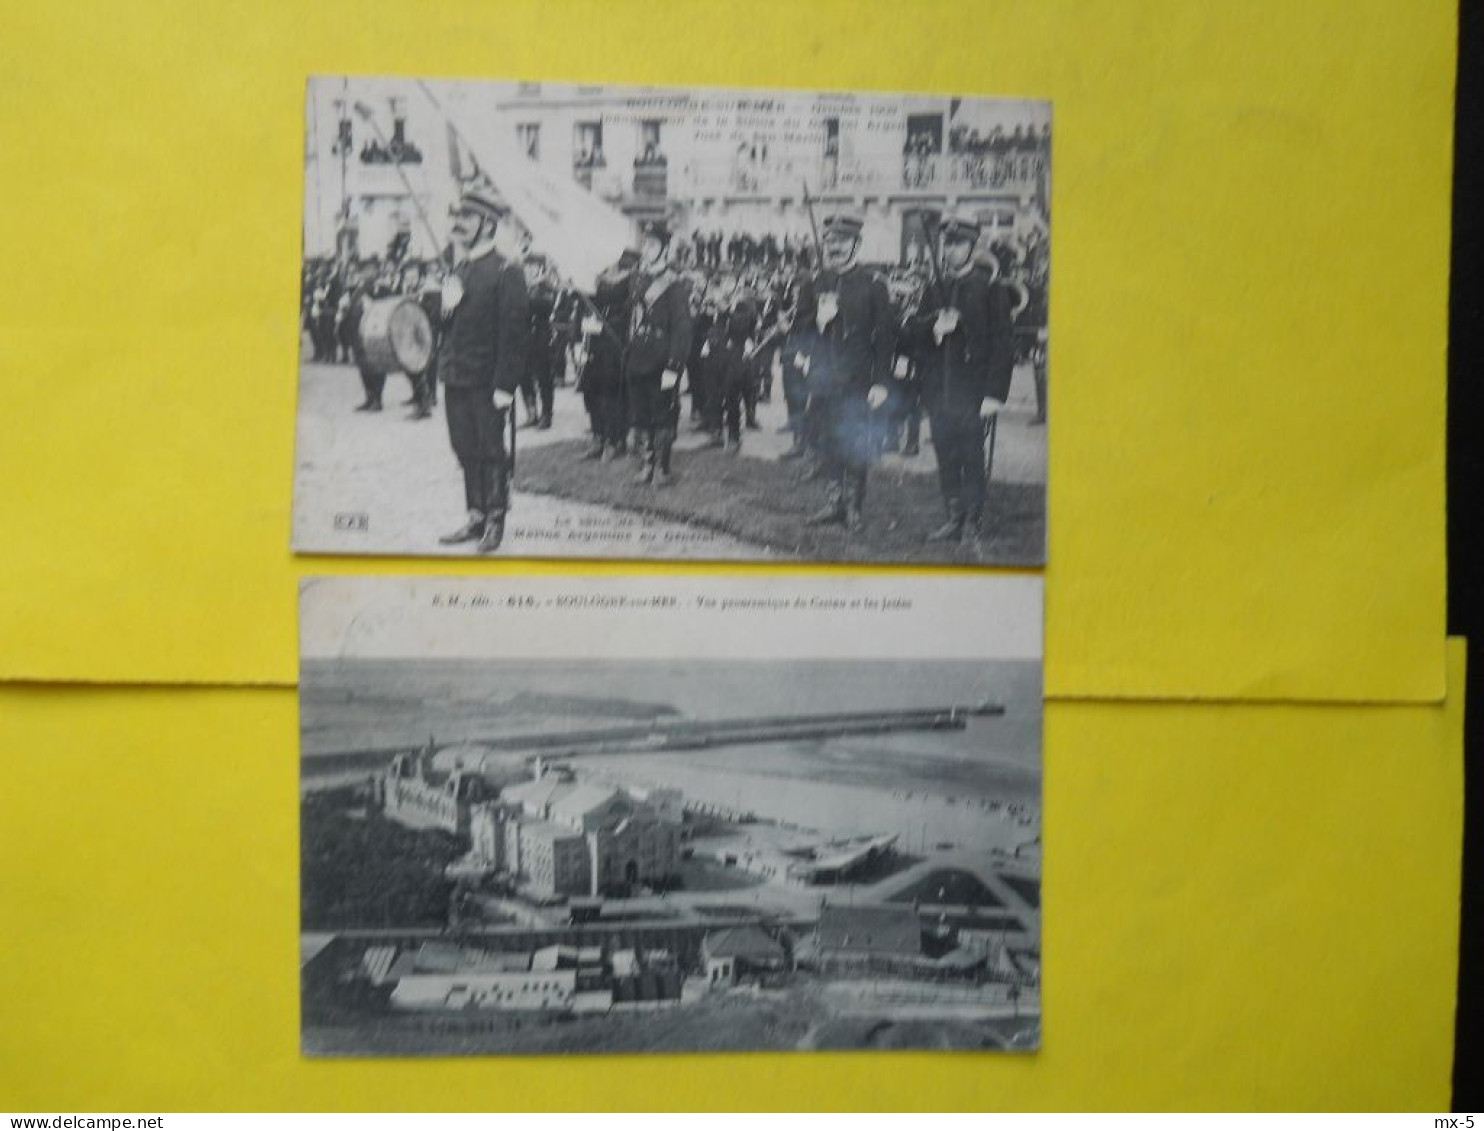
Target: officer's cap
[[846, 220], [657, 229], [961, 223], [485, 201]]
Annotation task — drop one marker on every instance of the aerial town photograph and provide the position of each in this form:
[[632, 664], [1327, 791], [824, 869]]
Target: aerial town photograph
[[555, 855]]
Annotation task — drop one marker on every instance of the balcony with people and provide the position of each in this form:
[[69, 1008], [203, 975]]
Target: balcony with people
[[651, 173], [1015, 160]]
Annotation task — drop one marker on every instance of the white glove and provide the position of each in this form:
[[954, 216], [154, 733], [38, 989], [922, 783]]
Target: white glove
[[592, 325], [669, 379], [748, 345], [825, 311], [990, 407], [503, 400], [705, 349], [945, 324], [899, 370], [579, 357], [877, 396]]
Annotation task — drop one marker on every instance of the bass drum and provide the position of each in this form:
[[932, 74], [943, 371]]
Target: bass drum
[[396, 336]]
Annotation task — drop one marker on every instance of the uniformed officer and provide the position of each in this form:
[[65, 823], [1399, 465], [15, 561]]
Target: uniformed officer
[[658, 347], [372, 381], [848, 365], [737, 365], [481, 359], [709, 378], [904, 409], [962, 332], [429, 297], [796, 325], [600, 357], [539, 382]]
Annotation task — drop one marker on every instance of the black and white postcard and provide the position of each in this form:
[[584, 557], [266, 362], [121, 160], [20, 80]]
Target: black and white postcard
[[544, 815], [554, 320]]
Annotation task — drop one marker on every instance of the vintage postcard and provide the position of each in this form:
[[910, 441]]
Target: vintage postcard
[[670, 814], [555, 320]]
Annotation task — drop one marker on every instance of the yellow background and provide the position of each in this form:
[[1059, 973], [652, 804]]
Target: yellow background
[[1251, 208], [1247, 905], [1244, 906]]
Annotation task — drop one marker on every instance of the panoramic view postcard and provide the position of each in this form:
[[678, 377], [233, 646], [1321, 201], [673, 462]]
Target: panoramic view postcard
[[670, 814], [554, 320]]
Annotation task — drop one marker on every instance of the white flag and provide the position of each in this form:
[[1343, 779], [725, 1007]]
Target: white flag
[[581, 234]]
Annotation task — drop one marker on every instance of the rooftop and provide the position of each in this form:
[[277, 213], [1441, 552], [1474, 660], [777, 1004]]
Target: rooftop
[[891, 930], [579, 801], [743, 942]]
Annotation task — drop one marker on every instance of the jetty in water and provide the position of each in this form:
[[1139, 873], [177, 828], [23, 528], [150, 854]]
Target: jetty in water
[[661, 735]]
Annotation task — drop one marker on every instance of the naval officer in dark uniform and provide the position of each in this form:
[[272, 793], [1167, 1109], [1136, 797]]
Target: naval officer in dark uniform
[[481, 360], [962, 334], [658, 349], [849, 361], [600, 358]]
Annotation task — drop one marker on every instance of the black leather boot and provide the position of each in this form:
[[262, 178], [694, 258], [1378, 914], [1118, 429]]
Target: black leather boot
[[471, 530]]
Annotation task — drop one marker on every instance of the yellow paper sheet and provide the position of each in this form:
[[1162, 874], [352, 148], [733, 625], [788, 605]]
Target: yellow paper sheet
[[1251, 208], [1244, 906]]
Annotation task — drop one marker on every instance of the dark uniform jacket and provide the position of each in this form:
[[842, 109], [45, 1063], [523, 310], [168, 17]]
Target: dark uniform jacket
[[855, 350], [742, 328], [605, 348], [660, 323], [485, 336], [542, 302], [701, 324], [975, 360]]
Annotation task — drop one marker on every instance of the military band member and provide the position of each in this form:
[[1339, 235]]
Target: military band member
[[710, 374], [565, 316], [372, 382], [600, 356], [481, 359], [848, 365], [737, 371], [796, 324], [904, 429], [962, 331], [658, 347], [702, 314], [538, 384], [429, 298]]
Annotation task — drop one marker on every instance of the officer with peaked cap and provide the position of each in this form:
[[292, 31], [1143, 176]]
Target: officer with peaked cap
[[962, 339], [848, 363], [604, 335], [658, 348], [481, 360]]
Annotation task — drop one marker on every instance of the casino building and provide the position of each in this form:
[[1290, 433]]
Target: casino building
[[558, 837]]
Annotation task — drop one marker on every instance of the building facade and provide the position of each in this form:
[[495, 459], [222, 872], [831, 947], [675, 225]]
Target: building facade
[[562, 838], [416, 796], [380, 157]]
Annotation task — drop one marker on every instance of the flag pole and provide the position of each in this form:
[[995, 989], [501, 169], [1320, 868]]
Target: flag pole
[[813, 228], [459, 134], [364, 113]]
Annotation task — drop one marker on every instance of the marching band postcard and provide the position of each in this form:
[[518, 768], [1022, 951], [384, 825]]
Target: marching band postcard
[[682, 814], [552, 320]]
